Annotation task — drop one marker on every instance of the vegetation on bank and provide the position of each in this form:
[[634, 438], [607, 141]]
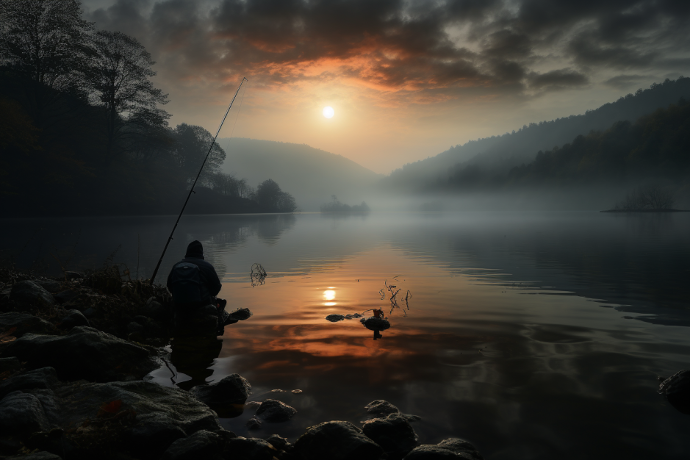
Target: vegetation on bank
[[335, 206], [83, 131], [650, 198]]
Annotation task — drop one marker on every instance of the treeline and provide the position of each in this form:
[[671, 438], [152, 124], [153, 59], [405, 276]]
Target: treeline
[[83, 129], [496, 155], [335, 206], [656, 147]]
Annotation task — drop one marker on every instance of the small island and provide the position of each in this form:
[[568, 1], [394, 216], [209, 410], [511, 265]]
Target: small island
[[335, 206], [652, 198]]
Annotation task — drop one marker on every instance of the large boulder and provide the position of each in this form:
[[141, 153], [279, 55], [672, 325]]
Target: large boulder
[[74, 318], [448, 449], [676, 388], [24, 323], [49, 285], [30, 293], [394, 434], [337, 440], [202, 444], [274, 411], [82, 419], [44, 378], [250, 449], [22, 414], [84, 353], [227, 396]]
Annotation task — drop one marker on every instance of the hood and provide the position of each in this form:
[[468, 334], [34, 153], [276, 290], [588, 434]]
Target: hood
[[195, 250]]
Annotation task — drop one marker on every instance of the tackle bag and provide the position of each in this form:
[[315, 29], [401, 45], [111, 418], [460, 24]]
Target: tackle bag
[[187, 284]]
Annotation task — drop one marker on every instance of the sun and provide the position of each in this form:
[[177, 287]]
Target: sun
[[328, 112]]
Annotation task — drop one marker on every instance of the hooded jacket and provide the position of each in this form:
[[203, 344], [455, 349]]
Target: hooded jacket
[[195, 255]]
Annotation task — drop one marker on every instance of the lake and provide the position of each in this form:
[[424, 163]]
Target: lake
[[532, 335]]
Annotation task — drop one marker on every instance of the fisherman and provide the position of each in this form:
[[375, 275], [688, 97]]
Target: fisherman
[[194, 284]]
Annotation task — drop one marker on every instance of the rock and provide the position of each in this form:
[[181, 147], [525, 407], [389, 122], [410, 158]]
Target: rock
[[274, 411], [41, 456], [335, 318], [24, 323], [241, 314], [135, 327], [451, 449], [84, 353], [44, 378], [66, 296], [677, 390], [9, 364], [154, 309], [74, 318], [202, 444], [51, 286], [337, 440], [151, 327], [375, 324], [253, 424], [381, 407], [28, 292], [90, 313], [22, 414], [152, 438], [394, 434], [250, 449], [71, 275], [225, 395], [278, 442]]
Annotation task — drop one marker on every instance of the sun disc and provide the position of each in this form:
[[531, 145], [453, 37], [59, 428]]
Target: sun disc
[[328, 112]]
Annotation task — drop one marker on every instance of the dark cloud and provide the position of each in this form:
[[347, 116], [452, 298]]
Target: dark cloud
[[557, 79], [401, 45], [624, 82]]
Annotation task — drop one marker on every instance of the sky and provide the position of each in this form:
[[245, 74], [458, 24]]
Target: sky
[[407, 79]]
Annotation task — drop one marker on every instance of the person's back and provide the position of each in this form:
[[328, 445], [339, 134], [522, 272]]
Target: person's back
[[194, 283]]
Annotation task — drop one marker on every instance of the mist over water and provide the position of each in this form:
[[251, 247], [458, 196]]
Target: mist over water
[[533, 334]]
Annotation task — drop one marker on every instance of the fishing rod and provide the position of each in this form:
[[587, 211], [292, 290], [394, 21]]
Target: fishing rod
[[191, 190]]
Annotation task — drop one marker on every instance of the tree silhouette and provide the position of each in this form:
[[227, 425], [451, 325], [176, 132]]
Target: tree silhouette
[[120, 75], [191, 146], [45, 43], [273, 199]]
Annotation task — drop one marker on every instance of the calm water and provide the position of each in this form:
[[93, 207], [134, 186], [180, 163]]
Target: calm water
[[535, 336]]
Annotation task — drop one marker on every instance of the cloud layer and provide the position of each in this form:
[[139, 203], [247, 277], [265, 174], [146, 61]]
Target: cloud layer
[[439, 47]]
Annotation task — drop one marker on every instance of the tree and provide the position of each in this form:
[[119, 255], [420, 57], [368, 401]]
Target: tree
[[273, 199], [44, 42], [119, 74], [191, 146], [651, 197]]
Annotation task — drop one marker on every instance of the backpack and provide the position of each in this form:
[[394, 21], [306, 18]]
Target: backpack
[[187, 284]]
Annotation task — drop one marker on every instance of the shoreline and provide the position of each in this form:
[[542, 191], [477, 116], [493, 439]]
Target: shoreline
[[74, 354]]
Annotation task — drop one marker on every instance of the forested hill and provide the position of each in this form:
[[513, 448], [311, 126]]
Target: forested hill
[[311, 175], [656, 148], [501, 153]]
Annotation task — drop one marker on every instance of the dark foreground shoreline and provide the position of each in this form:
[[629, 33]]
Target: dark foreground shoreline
[[646, 210], [74, 353]]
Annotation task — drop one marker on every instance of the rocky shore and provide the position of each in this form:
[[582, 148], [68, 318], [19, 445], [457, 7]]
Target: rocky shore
[[74, 352]]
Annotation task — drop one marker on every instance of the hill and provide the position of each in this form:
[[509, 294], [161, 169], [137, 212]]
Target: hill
[[498, 154], [311, 175]]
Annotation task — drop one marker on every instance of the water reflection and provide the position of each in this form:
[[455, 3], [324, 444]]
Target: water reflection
[[193, 357], [514, 338]]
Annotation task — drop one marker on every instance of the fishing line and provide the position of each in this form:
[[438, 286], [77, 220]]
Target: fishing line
[[239, 110], [191, 190]]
